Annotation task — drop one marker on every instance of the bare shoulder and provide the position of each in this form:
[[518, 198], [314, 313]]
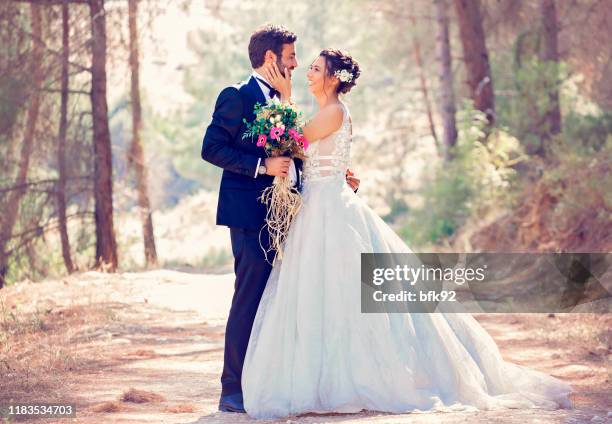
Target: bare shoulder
[[325, 122], [334, 109], [332, 113]]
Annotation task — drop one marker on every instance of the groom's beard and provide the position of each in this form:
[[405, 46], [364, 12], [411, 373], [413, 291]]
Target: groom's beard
[[282, 68]]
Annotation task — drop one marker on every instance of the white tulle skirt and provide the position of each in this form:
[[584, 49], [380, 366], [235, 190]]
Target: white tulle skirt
[[312, 350]]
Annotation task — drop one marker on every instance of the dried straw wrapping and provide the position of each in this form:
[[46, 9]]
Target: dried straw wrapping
[[283, 203]]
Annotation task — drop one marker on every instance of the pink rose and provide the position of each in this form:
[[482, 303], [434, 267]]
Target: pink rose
[[303, 142], [276, 132], [294, 134], [261, 141]]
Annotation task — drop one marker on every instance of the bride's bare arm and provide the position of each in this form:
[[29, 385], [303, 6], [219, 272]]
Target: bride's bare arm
[[325, 122]]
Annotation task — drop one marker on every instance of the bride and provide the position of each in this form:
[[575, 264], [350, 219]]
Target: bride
[[312, 350]]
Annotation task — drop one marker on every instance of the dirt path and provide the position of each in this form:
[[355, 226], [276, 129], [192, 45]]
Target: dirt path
[[91, 338]]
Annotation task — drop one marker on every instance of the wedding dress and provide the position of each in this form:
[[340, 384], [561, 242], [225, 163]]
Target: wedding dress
[[312, 350]]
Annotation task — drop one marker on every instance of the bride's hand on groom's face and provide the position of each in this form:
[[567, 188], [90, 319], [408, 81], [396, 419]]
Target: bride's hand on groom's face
[[279, 81]]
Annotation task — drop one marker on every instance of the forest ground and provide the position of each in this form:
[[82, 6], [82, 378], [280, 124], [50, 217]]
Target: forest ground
[[147, 347]]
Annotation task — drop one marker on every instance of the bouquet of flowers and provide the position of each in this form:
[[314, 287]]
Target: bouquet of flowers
[[277, 128]]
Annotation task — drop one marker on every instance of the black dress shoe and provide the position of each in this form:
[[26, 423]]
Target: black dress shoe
[[231, 403]]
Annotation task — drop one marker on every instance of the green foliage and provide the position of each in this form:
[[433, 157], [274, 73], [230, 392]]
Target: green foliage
[[215, 258], [12, 92], [580, 186], [35, 266], [587, 133], [446, 206], [221, 59], [523, 95], [397, 208], [479, 176]]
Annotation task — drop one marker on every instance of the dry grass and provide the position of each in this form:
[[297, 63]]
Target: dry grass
[[567, 210], [37, 352], [117, 364], [108, 407], [43, 346], [141, 396], [56, 336], [143, 353]]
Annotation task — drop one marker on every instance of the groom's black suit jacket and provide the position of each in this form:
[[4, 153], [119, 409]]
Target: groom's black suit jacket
[[224, 146]]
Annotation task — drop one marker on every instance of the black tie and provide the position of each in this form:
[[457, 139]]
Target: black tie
[[273, 91]]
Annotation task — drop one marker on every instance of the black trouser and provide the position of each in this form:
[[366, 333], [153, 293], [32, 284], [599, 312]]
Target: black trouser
[[252, 273]]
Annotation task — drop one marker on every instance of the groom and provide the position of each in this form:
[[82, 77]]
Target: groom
[[247, 171]]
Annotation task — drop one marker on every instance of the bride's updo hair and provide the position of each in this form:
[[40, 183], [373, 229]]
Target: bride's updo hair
[[335, 60]]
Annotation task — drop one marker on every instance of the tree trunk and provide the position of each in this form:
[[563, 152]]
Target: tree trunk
[[61, 142], [476, 56], [416, 47], [106, 246], [136, 154], [447, 94], [11, 211], [550, 53]]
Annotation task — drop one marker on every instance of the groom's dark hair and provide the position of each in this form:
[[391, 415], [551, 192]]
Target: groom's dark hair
[[268, 37]]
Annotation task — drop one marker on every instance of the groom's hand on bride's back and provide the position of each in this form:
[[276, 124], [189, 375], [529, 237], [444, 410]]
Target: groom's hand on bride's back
[[278, 167], [352, 180]]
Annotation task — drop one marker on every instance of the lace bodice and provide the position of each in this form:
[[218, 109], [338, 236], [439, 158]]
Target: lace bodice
[[329, 156]]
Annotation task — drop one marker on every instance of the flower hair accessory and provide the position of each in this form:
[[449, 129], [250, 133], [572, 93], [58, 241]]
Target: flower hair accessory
[[344, 75]]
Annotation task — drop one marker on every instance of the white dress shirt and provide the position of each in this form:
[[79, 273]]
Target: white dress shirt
[[266, 93]]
